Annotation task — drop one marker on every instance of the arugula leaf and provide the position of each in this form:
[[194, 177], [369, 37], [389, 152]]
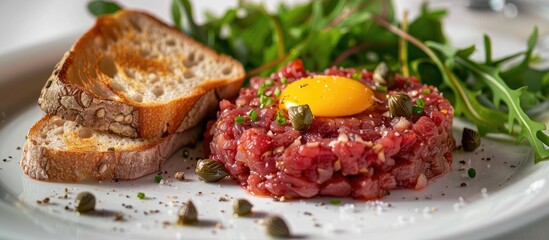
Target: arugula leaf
[[191, 28], [523, 75], [529, 129], [101, 7]]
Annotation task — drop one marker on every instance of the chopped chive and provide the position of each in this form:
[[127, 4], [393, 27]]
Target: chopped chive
[[261, 90], [356, 75], [239, 119], [426, 91], [280, 118], [186, 153], [269, 83], [284, 80], [253, 115], [335, 201], [265, 101], [420, 103], [277, 92], [472, 172], [157, 178], [381, 88], [141, 195], [418, 108]]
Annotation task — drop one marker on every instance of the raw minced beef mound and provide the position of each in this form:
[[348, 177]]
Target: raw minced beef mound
[[364, 156]]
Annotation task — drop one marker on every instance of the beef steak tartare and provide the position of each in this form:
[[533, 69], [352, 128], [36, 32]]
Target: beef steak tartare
[[364, 155]]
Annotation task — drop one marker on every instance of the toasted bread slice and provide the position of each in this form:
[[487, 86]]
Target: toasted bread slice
[[135, 76], [62, 151]]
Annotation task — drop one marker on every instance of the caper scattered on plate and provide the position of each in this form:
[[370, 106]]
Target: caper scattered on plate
[[85, 202], [210, 171], [383, 75], [470, 139], [276, 227], [400, 105], [301, 117], [187, 214], [242, 207]]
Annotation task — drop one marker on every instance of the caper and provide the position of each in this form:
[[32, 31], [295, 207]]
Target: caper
[[187, 214], [276, 227], [242, 207], [85, 202], [470, 140], [301, 117], [210, 171], [400, 105], [383, 75]]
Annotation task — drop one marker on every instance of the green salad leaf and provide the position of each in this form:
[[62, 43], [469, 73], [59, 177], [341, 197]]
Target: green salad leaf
[[101, 7]]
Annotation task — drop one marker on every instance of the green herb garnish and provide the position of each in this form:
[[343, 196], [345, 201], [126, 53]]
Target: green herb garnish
[[261, 90], [141, 195], [239, 119], [418, 108], [335, 201], [157, 178], [356, 75], [381, 88], [426, 91], [284, 80], [265, 101], [269, 83], [253, 115], [472, 172], [277, 92], [186, 153], [280, 118]]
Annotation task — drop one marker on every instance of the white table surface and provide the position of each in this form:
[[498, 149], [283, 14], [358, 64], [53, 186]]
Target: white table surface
[[27, 23]]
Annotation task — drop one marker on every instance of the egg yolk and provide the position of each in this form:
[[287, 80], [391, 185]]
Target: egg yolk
[[328, 96]]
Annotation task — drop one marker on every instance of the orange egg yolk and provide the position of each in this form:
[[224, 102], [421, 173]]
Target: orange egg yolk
[[328, 96]]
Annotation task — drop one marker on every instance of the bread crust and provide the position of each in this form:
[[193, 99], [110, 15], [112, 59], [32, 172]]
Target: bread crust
[[118, 114], [72, 165]]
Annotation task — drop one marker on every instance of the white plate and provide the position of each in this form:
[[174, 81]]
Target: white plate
[[515, 190]]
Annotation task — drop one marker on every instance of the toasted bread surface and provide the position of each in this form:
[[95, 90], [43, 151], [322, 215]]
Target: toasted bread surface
[[63, 151], [135, 76]]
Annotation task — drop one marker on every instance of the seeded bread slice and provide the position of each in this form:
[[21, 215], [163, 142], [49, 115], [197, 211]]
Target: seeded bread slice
[[62, 151], [135, 76]]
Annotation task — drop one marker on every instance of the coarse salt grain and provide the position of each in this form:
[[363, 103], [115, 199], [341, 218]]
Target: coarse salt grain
[[484, 192], [403, 221], [377, 207], [346, 212], [460, 204], [428, 211]]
